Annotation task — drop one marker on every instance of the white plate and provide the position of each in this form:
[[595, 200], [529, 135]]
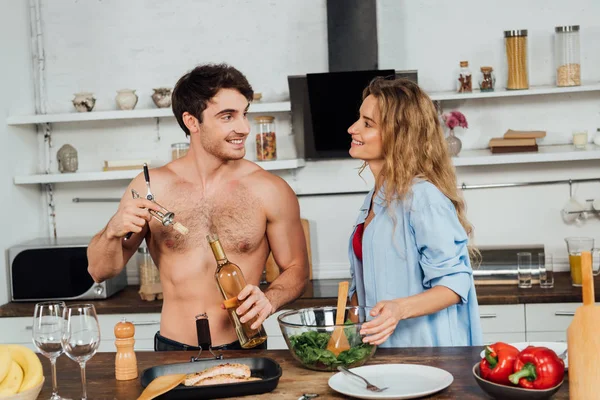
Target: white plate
[[557, 347], [404, 381]]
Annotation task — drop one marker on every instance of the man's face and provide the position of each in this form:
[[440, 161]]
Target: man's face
[[225, 125]]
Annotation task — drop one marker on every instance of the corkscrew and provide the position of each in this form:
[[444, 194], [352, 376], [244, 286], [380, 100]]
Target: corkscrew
[[164, 216]]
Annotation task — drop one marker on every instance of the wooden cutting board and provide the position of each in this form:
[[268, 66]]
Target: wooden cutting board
[[271, 266], [583, 340]]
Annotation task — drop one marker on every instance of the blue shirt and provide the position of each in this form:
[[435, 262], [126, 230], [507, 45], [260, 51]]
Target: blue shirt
[[426, 247]]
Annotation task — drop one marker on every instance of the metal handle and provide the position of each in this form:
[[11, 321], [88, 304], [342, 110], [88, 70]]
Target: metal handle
[[487, 315], [143, 323], [347, 371], [564, 313]]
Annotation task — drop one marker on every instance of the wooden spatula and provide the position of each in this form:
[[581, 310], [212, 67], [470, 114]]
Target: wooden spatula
[[583, 340], [161, 385], [338, 341]]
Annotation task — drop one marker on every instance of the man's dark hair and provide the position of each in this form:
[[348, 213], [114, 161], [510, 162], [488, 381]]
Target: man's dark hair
[[194, 90]]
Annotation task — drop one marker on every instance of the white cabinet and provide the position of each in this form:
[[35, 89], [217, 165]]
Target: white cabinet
[[502, 323], [549, 322]]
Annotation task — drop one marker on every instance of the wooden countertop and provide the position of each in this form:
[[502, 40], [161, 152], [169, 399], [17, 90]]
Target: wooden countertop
[[324, 292], [296, 380]]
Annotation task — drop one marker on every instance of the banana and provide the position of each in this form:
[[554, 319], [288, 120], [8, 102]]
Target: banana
[[29, 362], [11, 384], [5, 361]]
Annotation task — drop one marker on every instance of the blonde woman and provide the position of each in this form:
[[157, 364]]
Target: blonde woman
[[409, 252]]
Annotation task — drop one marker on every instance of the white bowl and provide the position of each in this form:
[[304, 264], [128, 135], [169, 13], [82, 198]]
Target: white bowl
[[29, 394]]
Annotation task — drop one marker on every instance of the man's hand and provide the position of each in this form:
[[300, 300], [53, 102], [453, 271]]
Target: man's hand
[[131, 216], [379, 329], [255, 304]]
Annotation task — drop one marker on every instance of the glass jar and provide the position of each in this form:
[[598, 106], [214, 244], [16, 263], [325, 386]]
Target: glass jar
[[465, 81], [150, 286], [487, 80], [566, 56], [515, 42], [266, 145], [179, 150]]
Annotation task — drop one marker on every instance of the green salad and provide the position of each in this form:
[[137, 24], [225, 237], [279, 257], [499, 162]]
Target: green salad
[[311, 348]]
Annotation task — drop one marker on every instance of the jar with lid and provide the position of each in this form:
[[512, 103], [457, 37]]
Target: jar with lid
[[266, 144], [515, 42], [487, 79], [150, 285], [566, 55], [465, 81], [179, 150]]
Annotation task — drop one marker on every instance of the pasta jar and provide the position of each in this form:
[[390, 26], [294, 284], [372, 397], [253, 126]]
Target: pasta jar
[[566, 55], [179, 150], [266, 146], [515, 42]]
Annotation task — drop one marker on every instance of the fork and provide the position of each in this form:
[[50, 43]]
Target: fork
[[370, 386]]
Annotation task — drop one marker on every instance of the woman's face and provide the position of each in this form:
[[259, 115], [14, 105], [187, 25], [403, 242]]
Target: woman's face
[[367, 144]]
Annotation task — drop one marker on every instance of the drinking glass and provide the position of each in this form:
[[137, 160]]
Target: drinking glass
[[546, 270], [524, 269], [81, 336], [47, 331]]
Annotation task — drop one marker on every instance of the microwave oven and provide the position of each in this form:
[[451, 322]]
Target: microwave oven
[[56, 269]]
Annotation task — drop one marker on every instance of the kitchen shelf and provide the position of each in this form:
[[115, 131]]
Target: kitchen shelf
[[501, 92], [130, 174], [547, 153], [283, 106]]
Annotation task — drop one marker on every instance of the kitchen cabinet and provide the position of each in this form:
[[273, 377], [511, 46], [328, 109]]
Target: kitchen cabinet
[[549, 322], [503, 323]]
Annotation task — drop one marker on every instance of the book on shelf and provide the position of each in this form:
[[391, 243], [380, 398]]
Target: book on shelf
[[122, 165], [501, 142], [513, 149], [511, 134]]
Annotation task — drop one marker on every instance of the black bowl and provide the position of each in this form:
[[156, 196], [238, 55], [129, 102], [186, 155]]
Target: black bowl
[[504, 392]]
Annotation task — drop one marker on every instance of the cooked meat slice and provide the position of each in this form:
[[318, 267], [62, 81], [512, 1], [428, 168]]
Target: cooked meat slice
[[233, 369], [220, 379]]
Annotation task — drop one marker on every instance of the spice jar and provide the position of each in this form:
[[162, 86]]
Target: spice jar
[[487, 80], [179, 150], [150, 285], [266, 146], [465, 82], [566, 55], [515, 42]]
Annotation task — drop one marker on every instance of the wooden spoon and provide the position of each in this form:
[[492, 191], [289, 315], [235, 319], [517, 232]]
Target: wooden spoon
[[338, 341], [161, 385]]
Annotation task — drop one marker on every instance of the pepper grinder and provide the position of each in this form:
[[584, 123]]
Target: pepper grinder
[[125, 360]]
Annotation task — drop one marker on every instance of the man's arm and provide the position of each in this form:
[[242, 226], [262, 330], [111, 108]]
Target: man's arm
[[286, 239], [108, 251]]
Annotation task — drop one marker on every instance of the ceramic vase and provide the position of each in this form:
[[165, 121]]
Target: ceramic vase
[[126, 99], [84, 102], [162, 97]]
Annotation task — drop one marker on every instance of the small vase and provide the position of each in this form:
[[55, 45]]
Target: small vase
[[84, 102], [454, 144], [162, 97], [126, 99]]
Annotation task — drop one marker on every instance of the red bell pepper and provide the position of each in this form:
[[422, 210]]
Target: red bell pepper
[[538, 368], [498, 362]]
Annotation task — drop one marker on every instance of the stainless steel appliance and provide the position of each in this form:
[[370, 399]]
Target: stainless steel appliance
[[56, 269]]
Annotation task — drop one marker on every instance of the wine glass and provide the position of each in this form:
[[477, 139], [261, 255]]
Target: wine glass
[[81, 336], [47, 333]]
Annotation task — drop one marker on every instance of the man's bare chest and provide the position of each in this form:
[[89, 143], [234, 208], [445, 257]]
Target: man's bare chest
[[235, 215]]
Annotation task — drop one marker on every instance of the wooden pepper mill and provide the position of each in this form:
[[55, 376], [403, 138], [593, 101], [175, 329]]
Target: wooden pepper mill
[[125, 360]]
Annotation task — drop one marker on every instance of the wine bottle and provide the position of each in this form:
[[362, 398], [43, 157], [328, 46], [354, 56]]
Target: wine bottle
[[231, 281]]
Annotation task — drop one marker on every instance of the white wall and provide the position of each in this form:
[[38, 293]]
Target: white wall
[[22, 207], [96, 46]]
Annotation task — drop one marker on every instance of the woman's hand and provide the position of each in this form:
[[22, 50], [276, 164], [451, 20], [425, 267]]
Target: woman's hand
[[388, 313]]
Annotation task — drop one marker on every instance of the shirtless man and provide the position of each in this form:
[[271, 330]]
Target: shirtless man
[[211, 189]]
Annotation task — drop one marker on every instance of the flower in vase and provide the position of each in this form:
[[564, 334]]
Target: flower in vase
[[454, 119]]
